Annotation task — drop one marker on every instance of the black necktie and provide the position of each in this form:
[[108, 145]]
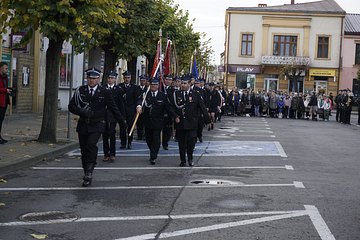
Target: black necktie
[[153, 94], [91, 91]]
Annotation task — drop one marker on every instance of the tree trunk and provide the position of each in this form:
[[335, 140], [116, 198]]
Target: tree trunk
[[48, 126], [150, 59], [131, 66], [110, 62]]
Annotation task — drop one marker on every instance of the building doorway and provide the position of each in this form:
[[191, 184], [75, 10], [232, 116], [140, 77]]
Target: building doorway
[[321, 87], [271, 84]]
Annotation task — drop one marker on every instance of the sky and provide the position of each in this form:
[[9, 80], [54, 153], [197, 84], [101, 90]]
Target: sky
[[210, 16]]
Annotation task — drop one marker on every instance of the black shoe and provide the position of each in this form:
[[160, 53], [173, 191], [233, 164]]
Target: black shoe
[[165, 148], [122, 146], [182, 164], [2, 142], [87, 180], [152, 161], [5, 141], [191, 164], [209, 128], [129, 146], [200, 139], [212, 126]]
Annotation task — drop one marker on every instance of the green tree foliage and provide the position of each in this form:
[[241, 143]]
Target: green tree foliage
[[78, 20]]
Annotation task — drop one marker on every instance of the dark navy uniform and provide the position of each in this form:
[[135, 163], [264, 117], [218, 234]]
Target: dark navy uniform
[[109, 138], [130, 94], [168, 121], [156, 106], [140, 124], [188, 105], [90, 103]]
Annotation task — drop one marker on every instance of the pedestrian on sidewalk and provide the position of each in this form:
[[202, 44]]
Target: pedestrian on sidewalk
[[90, 103], [4, 95]]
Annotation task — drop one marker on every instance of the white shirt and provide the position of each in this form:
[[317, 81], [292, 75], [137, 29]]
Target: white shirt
[[94, 88]]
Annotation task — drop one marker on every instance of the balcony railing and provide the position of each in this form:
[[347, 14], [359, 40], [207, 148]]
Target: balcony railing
[[285, 60]]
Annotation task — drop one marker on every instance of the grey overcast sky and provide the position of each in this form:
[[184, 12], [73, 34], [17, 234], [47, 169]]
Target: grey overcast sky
[[210, 16]]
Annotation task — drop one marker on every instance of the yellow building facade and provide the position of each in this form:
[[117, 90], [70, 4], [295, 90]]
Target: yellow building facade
[[289, 48]]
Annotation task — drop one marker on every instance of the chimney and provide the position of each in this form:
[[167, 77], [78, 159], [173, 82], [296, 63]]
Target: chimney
[[292, 2], [260, 5]]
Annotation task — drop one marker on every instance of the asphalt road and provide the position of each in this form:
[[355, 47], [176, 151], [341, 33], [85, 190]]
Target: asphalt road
[[254, 178]]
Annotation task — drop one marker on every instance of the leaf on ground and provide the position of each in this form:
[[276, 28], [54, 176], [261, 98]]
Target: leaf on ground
[[2, 204], [27, 156], [57, 160], [12, 150], [39, 236], [51, 145], [23, 144], [3, 180]]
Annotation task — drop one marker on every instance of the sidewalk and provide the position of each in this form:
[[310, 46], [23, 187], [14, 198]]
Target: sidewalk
[[22, 129]]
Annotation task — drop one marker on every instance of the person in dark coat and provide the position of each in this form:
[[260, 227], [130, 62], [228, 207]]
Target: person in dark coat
[[155, 106], [168, 121], [338, 105], [188, 106], [90, 102], [213, 104], [109, 138], [4, 95], [200, 89], [140, 124], [130, 93]]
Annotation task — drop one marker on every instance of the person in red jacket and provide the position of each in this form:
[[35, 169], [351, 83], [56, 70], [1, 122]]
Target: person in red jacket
[[4, 95]]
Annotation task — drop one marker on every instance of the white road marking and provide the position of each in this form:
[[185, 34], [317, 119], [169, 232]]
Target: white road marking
[[138, 218], [319, 223], [280, 149], [294, 184], [287, 167], [217, 226], [241, 135]]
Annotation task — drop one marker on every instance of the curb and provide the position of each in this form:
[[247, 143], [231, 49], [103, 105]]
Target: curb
[[21, 163]]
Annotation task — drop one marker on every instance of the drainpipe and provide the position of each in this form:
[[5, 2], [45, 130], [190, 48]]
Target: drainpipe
[[340, 54], [227, 52]]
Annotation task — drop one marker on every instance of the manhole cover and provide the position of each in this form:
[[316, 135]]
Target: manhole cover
[[215, 182], [47, 216]]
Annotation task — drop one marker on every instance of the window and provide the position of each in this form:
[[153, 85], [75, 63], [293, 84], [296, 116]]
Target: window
[[246, 44], [323, 47], [357, 54], [285, 45]]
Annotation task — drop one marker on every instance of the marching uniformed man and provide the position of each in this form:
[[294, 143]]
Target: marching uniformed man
[[156, 105], [130, 94], [202, 92], [140, 124], [109, 138], [188, 105], [168, 121], [90, 103]]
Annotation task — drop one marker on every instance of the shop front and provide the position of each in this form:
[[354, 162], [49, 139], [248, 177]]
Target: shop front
[[245, 75], [323, 81]]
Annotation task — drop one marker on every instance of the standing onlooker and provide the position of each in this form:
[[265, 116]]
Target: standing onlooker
[[301, 107], [287, 105], [273, 104], [313, 104], [4, 95], [338, 105], [327, 107]]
